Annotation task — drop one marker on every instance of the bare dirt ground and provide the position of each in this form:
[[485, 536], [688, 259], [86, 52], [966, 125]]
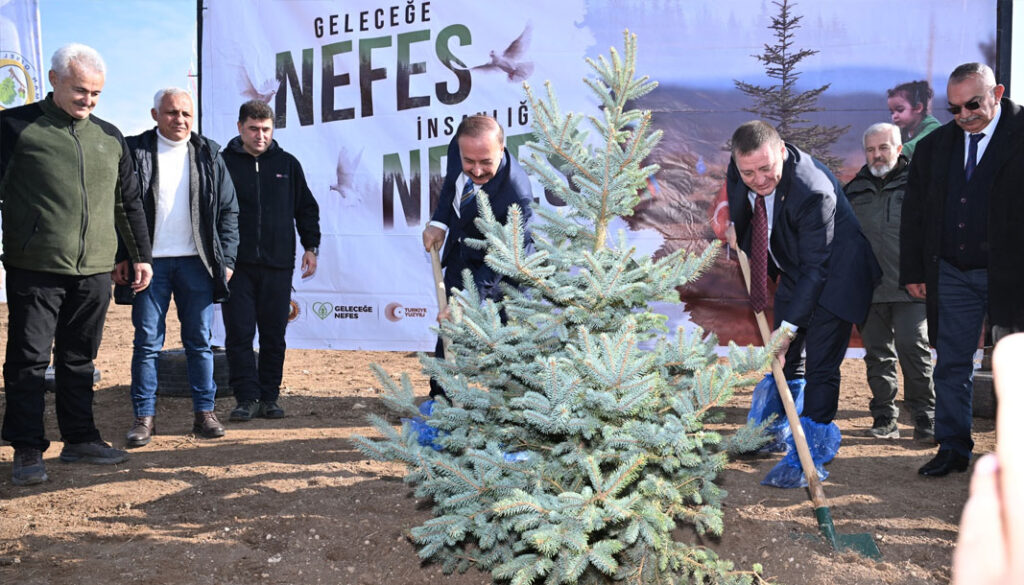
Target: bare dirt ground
[[290, 501]]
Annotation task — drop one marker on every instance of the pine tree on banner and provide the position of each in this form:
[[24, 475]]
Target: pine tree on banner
[[575, 442], [782, 104]]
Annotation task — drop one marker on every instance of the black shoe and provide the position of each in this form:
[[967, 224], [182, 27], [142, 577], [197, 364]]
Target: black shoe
[[270, 409], [885, 428], [207, 426], [947, 460], [28, 468], [96, 452], [924, 430], [245, 410]]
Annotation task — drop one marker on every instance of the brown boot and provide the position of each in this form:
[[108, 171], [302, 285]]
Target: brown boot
[[142, 430], [207, 425]]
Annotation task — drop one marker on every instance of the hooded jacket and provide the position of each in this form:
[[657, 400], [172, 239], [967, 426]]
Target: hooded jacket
[[273, 201], [212, 204], [65, 185]]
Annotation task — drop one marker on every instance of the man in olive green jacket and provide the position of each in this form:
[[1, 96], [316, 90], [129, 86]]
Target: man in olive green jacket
[[896, 325], [66, 183]]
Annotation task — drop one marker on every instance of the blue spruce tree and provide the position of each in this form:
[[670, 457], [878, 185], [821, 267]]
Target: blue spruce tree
[[575, 442]]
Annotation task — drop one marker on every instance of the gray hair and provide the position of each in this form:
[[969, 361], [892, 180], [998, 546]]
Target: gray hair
[[85, 56], [168, 91], [979, 70], [882, 128]]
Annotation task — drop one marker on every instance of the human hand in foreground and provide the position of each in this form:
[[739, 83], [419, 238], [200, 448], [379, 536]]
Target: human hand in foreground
[[990, 548]]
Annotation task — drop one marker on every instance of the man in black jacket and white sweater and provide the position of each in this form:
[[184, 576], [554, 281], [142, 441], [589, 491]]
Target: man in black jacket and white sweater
[[192, 219], [273, 201]]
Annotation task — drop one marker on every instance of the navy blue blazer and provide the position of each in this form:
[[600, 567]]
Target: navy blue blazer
[[511, 185], [823, 256]]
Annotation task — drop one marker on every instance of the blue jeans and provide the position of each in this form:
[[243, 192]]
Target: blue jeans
[[186, 277], [963, 302]]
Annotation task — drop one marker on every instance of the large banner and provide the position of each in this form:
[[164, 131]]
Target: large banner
[[21, 62], [367, 95]]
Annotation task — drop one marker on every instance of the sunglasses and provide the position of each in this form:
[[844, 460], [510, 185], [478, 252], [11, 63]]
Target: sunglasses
[[971, 106]]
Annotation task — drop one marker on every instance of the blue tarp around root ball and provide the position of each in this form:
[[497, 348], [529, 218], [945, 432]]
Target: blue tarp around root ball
[[766, 402], [427, 435], [822, 440]]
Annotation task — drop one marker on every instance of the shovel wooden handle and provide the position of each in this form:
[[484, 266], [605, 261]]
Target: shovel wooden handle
[[806, 462], [442, 298]]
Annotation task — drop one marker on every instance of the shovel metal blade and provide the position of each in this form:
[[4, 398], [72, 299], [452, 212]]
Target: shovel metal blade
[[862, 543]]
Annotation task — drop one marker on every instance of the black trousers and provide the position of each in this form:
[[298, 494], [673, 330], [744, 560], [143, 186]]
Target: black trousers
[[452, 279], [67, 313], [259, 301], [818, 350]]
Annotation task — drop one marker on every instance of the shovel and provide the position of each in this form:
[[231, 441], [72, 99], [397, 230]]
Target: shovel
[[862, 543], [442, 298]]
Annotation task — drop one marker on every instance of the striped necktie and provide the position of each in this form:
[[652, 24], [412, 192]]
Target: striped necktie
[[467, 193]]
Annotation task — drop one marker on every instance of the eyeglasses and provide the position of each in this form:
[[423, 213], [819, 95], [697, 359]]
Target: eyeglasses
[[971, 106]]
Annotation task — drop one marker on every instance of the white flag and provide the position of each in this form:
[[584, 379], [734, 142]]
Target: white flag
[[21, 53], [21, 62]]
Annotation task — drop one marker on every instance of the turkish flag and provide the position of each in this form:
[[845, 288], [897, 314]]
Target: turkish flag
[[720, 214]]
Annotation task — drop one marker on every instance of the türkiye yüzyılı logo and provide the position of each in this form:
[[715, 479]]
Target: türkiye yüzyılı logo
[[395, 312]]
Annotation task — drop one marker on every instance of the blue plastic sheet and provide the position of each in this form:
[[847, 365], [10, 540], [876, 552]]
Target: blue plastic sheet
[[823, 442], [766, 402], [426, 435]]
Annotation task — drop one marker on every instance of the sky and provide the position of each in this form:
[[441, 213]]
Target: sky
[[147, 45]]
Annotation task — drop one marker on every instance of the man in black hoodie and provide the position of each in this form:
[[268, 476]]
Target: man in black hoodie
[[273, 201]]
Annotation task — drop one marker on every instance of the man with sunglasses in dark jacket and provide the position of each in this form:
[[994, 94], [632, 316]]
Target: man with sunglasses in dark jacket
[[961, 242]]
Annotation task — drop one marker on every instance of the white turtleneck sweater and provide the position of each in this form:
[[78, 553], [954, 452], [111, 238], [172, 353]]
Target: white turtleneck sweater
[[172, 230]]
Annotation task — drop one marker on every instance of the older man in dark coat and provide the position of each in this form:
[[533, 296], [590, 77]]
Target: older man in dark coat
[[961, 242]]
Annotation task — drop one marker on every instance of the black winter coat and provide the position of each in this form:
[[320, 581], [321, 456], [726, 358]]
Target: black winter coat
[[273, 201], [213, 207], [924, 208]]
